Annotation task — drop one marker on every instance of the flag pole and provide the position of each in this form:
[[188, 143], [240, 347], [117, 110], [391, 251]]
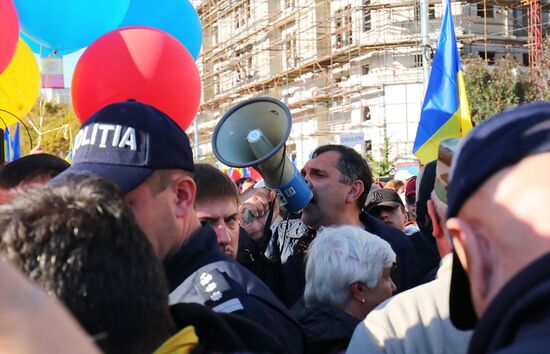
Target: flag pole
[[2, 159], [425, 31]]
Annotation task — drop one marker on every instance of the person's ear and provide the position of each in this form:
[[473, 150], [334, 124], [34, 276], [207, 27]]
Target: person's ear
[[359, 292], [184, 194], [356, 189], [437, 230], [472, 249]]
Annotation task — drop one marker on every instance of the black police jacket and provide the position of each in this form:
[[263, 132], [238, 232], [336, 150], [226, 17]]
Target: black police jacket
[[518, 319], [199, 272]]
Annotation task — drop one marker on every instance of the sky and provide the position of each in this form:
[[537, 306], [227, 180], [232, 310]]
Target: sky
[[69, 63]]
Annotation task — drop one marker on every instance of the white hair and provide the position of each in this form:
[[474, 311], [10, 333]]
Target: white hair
[[340, 256]]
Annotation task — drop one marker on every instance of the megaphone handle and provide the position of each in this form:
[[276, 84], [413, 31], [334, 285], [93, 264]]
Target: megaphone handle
[[267, 228]]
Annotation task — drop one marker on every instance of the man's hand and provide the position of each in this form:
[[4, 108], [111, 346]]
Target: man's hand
[[253, 212]]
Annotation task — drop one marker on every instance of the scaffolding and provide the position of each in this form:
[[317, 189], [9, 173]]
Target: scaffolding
[[341, 66]]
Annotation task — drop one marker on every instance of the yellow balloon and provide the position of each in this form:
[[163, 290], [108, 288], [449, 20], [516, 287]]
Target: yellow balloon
[[19, 85]]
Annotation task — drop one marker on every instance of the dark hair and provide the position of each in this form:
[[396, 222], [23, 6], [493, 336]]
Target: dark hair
[[30, 167], [352, 166], [212, 184], [79, 241]]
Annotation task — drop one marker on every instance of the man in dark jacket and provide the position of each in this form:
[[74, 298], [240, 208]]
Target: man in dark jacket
[[499, 218], [340, 180], [150, 159]]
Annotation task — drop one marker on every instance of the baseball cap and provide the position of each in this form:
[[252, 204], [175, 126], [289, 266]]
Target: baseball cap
[[496, 143], [410, 188], [126, 141], [383, 197]]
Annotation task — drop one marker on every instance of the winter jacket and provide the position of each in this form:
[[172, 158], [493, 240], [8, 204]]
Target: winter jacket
[[328, 329], [518, 319]]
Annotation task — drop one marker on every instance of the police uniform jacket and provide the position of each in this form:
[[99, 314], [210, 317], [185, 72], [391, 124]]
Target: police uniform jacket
[[199, 272]]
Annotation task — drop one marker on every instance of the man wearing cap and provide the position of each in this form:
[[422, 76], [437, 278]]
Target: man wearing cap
[[386, 205], [149, 157], [417, 321], [499, 219]]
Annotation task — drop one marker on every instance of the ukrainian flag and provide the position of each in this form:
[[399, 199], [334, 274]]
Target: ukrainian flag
[[445, 112]]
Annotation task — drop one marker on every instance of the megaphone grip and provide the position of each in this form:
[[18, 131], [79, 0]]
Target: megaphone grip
[[295, 195]]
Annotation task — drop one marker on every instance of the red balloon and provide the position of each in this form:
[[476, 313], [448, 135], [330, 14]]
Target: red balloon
[[9, 32], [142, 63]]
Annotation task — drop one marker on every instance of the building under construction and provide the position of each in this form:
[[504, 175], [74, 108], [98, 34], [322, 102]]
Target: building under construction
[[349, 70]]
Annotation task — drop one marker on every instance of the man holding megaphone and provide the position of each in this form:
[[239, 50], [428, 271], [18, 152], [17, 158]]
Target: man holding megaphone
[[332, 191]]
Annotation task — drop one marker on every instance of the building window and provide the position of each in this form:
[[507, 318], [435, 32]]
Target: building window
[[291, 57], [215, 37], [343, 27], [289, 4], [519, 23], [525, 59], [418, 61], [242, 14], [367, 21], [368, 147], [431, 12], [366, 114], [487, 9], [365, 69], [217, 87], [490, 59], [243, 64]]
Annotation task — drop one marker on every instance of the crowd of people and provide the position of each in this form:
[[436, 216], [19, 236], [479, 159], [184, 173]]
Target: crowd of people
[[134, 248]]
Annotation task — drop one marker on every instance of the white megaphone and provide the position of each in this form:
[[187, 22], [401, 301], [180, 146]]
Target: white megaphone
[[254, 133]]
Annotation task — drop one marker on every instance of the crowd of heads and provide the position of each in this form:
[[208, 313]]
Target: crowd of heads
[[102, 234]]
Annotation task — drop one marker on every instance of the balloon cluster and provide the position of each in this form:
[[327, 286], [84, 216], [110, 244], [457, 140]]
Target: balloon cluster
[[139, 49]]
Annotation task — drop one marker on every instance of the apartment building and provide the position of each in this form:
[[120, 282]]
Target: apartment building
[[349, 70]]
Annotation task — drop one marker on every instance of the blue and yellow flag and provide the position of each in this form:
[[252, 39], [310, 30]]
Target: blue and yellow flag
[[16, 144], [12, 146], [445, 112]]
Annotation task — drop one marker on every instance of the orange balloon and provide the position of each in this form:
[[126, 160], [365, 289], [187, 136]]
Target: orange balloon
[[142, 63]]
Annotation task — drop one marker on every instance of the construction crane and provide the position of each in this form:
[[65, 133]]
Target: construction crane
[[534, 30]]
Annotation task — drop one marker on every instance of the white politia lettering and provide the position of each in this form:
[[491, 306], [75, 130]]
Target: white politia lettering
[[77, 140], [105, 129], [85, 140], [129, 139], [116, 136], [94, 134]]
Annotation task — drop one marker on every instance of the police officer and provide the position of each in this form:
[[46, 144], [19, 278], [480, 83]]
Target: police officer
[[149, 157]]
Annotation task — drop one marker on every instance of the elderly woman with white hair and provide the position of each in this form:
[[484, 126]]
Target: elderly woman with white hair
[[347, 276]]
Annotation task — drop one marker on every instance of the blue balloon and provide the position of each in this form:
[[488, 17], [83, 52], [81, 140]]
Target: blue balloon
[[69, 25], [176, 17], [41, 50]]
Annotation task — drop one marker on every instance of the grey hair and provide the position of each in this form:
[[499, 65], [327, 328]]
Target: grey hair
[[340, 256]]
